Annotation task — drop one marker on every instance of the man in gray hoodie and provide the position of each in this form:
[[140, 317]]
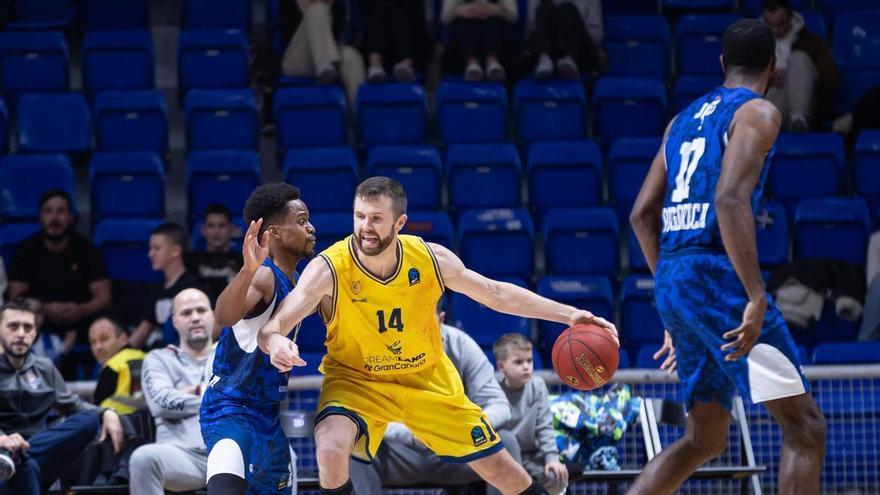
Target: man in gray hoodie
[[173, 381], [30, 388]]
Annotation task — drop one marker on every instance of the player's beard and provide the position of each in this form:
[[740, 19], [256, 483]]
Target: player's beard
[[384, 242]]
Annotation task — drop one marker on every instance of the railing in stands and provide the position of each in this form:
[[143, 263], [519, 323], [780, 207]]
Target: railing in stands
[[848, 395]]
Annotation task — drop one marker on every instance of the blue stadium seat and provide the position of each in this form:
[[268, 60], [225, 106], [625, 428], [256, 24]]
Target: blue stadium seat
[[23, 178], [847, 353], [482, 234], [582, 241], [645, 357], [630, 6], [857, 53], [591, 293], [835, 8], [127, 185], [697, 5], [832, 228], [393, 113], [637, 261], [433, 227], [484, 324], [124, 245], [554, 110], [698, 43], [803, 355], [11, 234], [418, 168], [327, 176], [131, 121], [639, 321], [688, 88], [225, 177], [33, 63], [638, 45], [330, 227], [617, 99], [310, 116], [4, 129], [816, 160], [108, 15], [564, 174], [117, 60], [471, 112], [216, 14], [53, 123], [628, 162], [310, 354], [771, 225], [867, 169], [41, 15], [483, 176], [221, 119], [212, 60]]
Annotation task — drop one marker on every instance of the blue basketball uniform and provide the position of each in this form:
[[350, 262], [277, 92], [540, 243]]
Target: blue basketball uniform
[[698, 294], [242, 402]]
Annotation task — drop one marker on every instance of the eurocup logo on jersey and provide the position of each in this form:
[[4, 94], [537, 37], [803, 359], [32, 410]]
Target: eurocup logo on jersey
[[414, 277], [478, 436]]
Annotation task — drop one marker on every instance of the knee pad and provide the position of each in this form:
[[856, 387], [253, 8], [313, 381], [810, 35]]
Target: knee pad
[[227, 484]]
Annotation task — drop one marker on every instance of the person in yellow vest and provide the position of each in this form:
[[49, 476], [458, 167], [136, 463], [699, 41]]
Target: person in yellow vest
[[376, 291], [119, 381]]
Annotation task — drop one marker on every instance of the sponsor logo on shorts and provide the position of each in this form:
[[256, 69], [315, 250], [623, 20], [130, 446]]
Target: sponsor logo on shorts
[[414, 277], [589, 369], [285, 480], [478, 436]]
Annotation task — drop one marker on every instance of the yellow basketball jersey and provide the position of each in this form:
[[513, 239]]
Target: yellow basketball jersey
[[384, 327]]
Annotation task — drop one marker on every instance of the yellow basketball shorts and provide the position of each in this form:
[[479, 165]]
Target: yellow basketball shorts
[[431, 403]]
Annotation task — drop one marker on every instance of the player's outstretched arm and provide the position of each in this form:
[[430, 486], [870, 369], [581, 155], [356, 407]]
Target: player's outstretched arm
[[753, 131], [648, 207], [250, 284], [315, 283], [509, 298]]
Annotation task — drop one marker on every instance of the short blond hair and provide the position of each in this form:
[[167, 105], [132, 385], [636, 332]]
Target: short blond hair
[[510, 341]]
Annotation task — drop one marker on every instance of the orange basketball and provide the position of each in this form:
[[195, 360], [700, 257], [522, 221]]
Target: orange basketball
[[585, 356]]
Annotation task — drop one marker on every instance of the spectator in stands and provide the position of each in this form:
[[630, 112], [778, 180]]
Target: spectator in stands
[[315, 29], [870, 329], [119, 381], [395, 38], [218, 263], [805, 80], [31, 387], [3, 280], [174, 381], [404, 460], [531, 420], [47, 344], [565, 37], [167, 245], [481, 33], [64, 271]]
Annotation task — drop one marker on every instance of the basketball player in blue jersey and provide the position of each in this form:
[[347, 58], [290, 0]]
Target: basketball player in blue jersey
[[247, 449], [694, 219]]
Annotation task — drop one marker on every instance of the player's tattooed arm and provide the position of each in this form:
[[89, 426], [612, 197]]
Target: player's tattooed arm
[[752, 133], [314, 285], [648, 207], [509, 298], [251, 284]]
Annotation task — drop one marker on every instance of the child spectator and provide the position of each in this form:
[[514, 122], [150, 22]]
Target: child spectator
[[531, 420], [218, 263]]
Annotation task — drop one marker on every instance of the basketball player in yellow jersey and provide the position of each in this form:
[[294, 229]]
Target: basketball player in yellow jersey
[[377, 291]]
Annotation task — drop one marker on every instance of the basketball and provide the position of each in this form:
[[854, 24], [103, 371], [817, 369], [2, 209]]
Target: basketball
[[585, 356]]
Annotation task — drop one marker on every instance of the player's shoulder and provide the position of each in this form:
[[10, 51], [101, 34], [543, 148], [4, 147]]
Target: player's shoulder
[[760, 108]]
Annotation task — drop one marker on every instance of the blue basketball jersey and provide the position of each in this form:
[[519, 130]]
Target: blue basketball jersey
[[242, 372], [693, 153]]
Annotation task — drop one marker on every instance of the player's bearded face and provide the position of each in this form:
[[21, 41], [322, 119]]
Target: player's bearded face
[[374, 225]]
